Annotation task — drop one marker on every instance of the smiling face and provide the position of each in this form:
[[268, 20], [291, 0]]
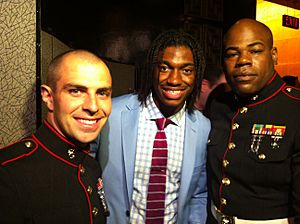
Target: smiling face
[[80, 103], [173, 79], [249, 57]]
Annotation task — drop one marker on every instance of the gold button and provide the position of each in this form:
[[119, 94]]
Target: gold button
[[262, 156], [28, 144], [244, 110], [231, 145], [225, 181], [235, 126], [225, 163], [208, 141], [81, 169], [89, 190], [223, 201], [95, 211]]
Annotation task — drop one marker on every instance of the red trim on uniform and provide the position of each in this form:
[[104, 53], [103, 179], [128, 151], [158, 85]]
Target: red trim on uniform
[[53, 154], [86, 195], [224, 156], [57, 133], [273, 77], [268, 98], [21, 156]]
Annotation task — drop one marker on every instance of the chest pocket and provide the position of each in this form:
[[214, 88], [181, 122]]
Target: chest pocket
[[267, 148]]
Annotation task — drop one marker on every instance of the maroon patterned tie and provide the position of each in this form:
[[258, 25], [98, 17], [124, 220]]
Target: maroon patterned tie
[[158, 174]]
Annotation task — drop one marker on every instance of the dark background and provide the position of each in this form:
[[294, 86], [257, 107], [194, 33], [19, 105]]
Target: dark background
[[122, 30]]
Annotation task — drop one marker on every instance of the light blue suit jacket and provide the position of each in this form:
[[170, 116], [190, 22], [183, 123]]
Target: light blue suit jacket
[[117, 158]]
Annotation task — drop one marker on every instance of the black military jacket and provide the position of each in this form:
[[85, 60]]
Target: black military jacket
[[45, 179], [254, 153]]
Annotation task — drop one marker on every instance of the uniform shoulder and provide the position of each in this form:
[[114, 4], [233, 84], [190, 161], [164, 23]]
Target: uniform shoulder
[[292, 92], [17, 150]]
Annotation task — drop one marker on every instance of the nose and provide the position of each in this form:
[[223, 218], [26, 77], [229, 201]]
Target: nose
[[90, 104], [244, 59], [174, 77]]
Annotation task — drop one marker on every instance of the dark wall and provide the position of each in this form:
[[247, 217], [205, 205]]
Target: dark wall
[[115, 29], [237, 9]]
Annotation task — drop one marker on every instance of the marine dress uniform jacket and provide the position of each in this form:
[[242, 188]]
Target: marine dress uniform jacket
[[117, 158], [45, 179], [254, 153]]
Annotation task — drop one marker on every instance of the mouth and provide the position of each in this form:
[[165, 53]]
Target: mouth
[[87, 121], [88, 125], [173, 94], [244, 77]]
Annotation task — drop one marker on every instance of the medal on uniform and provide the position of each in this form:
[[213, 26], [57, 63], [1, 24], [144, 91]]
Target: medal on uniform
[[255, 143], [101, 194], [256, 137], [277, 135], [260, 130]]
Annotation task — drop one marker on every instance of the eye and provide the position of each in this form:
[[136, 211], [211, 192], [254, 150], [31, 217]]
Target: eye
[[256, 51], [231, 54], [187, 71], [104, 93], [163, 68], [75, 91]]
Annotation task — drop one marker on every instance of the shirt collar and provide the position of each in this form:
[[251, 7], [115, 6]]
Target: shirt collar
[[152, 112]]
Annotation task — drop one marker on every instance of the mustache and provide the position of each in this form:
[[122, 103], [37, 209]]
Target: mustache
[[242, 71]]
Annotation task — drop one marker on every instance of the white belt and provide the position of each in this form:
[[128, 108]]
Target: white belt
[[225, 219]]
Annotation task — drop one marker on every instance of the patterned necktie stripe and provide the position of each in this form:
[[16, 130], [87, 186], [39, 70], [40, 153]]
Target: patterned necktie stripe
[[158, 175]]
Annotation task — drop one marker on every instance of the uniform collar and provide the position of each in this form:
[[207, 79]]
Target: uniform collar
[[58, 146], [273, 87]]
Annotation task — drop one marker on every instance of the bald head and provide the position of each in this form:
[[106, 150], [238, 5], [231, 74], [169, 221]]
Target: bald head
[[67, 59], [243, 26]]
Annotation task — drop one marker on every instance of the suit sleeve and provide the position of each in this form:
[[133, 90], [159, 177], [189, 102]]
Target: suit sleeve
[[198, 205], [10, 205]]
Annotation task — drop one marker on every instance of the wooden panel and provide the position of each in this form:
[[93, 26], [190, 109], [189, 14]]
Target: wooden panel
[[210, 38], [205, 9]]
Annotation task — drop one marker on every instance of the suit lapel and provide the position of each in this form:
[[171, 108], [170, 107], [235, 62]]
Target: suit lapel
[[129, 137], [188, 159]]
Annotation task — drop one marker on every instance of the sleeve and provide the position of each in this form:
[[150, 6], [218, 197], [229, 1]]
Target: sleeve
[[198, 204], [10, 205]]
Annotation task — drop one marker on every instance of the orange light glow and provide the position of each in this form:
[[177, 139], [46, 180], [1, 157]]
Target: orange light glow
[[287, 40]]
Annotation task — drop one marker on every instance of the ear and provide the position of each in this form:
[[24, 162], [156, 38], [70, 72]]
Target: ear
[[47, 96], [274, 55]]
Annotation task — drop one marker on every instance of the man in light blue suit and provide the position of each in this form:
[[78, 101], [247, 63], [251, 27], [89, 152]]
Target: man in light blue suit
[[168, 90]]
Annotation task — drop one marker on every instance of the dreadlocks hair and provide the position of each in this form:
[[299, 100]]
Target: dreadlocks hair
[[164, 40]]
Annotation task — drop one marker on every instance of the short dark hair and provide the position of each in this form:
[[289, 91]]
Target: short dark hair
[[162, 41], [53, 74]]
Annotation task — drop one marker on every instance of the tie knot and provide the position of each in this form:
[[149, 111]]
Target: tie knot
[[162, 123]]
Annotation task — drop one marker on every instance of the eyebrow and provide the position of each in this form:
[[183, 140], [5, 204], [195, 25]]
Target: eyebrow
[[184, 65], [70, 85], [249, 45]]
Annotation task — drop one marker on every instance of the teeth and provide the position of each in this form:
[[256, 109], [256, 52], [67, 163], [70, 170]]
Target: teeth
[[87, 121], [174, 91]]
